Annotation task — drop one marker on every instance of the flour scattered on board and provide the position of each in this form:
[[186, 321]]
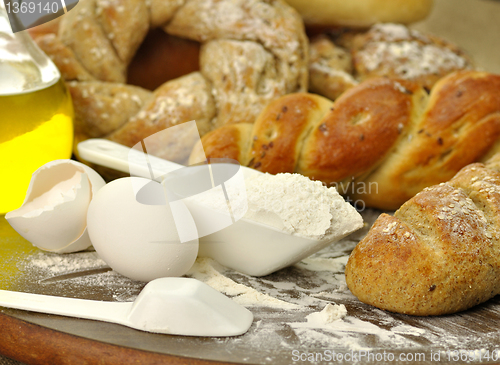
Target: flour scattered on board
[[209, 272], [331, 313], [307, 306]]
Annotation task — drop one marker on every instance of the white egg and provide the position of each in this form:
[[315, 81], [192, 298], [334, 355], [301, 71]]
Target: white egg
[[141, 241], [53, 216]]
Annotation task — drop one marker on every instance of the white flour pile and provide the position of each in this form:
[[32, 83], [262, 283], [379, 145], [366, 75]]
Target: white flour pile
[[298, 205], [289, 202], [331, 313]]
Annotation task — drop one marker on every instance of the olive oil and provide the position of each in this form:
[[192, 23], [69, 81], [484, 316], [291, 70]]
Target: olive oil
[[36, 113], [35, 128]]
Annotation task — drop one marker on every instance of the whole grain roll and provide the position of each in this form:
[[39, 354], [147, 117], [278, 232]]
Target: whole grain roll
[[439, 253]]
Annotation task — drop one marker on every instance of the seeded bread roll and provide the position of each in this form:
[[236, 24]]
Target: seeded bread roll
[[340, 60], [439, 253]]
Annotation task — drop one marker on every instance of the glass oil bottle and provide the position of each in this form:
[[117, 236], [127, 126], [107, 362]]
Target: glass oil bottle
[[36, 113]]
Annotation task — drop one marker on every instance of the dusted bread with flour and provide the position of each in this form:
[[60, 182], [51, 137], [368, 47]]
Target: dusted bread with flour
[[252, 51], [340, 60], [439, 253]]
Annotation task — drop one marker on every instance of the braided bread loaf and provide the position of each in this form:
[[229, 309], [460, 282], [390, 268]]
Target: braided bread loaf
[[342, 60], [380, 143], [252, 52], [439, 253]]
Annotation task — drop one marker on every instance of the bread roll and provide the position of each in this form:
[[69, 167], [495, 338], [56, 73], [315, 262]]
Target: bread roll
[[439, 253], [252, 51], [361, 13], [340, 60]]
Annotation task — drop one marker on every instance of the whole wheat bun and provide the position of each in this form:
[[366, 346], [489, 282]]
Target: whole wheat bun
[[361, 13]]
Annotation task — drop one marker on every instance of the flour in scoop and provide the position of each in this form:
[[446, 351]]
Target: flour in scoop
[[289, 202], [300, 206]]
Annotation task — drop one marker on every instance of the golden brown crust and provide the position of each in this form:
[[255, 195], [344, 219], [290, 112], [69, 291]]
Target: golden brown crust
[[439, 253], [280, 131], [459, 125], [364, 125], [230, 141], [361, 13], [384, 140], [396, 253]]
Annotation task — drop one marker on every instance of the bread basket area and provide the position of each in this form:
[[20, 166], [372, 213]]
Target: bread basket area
[[304, 313]]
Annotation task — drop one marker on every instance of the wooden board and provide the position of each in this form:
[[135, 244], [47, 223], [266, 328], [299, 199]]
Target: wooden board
[[281, 332], [281, 303]]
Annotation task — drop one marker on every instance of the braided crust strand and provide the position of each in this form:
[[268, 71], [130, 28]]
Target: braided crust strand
[[381, 142]]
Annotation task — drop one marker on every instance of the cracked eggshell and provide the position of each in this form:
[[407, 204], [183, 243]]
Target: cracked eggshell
[[53, 216]]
